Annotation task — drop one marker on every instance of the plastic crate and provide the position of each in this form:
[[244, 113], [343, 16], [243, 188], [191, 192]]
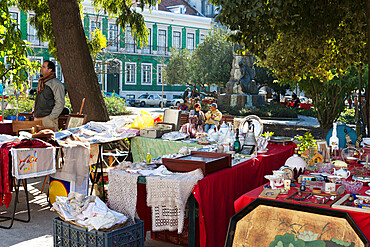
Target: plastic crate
[[66, 234]]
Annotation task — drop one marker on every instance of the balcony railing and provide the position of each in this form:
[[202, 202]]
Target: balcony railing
[[113, 46], [162, 50], [131, 47], [147, 50]]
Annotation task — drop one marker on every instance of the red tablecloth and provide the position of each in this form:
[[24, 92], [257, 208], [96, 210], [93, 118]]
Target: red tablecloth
[[217, 192], [361, 219]]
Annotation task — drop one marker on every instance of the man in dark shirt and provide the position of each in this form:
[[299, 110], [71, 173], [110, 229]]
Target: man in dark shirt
[[49, 101]]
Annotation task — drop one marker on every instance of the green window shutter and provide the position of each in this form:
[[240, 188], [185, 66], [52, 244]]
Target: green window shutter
[[155, 37], [197, 37], [23, 25], [105, 27], [183, 38], [122, 38], [169, 38], [87, 25]]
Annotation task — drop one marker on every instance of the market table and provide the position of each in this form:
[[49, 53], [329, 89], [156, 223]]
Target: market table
[[361, 219], [140, 146], [216, 193], [6, 127]]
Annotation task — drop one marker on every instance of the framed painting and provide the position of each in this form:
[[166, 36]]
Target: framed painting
[[75, 120], [247, 149], [274, 223]]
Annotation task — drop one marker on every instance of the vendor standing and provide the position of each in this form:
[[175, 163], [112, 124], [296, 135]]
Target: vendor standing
[[49, 101], [213, 118]]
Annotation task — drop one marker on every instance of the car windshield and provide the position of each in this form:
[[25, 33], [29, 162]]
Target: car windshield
[[177, 97], [144, 96]]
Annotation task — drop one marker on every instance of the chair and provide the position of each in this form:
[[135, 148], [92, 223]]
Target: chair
[[172, 116], [25, 125]]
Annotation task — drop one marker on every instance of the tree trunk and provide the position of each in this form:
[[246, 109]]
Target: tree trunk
[[74, 56], [367, 95]]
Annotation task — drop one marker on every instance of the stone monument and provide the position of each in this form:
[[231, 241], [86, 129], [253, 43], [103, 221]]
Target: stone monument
[[241, 89]]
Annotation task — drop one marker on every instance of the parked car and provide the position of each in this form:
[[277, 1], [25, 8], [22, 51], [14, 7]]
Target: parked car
[[177, 100], [130, 99], [149, 99], [110, 94], [304, 99]]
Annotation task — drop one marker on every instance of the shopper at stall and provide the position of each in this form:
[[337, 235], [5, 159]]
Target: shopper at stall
[[49, 101], [185, 96], [213, 118], [198, 114], [295, 100]]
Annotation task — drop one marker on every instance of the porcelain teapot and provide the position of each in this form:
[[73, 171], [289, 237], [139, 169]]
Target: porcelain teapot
[[342, 173]]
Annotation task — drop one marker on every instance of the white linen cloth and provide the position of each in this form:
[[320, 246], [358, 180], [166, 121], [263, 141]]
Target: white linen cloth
[[167, 195], [122, 192], [76, 162]]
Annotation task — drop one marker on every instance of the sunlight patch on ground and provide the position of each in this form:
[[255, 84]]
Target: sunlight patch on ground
[[46, 240]]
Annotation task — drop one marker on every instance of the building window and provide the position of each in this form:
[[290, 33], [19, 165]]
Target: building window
[[176, 39], [36, 76], [14, 16], [130, 42], [94, 24], [146, 73], [190, 41], [178, 9], [130, 73], [99, 71], [32, 33], [148, 48], [160, 77], [58, 69], [161, 41], [113, 37], [209, 10], [202, 38]]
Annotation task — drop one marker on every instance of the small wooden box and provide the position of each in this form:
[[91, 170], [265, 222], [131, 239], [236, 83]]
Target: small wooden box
[[208, 162]]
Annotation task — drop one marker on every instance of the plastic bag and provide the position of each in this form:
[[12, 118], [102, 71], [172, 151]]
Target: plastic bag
[[143, 121], [158, 119]]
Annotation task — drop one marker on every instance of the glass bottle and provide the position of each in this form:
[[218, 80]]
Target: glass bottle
[[236, 146], [334, 140]]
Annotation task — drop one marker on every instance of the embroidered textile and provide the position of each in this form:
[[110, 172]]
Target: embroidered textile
[[32, 162], [122, 192], [5, 169], [168, 196]]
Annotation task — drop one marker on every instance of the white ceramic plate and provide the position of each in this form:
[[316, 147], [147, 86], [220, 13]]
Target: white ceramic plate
[[256, 121]]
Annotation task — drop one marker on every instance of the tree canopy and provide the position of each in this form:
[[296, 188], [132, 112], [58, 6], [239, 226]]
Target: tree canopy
[[209, 64], [15, 66], [299, 38], [59, 22]]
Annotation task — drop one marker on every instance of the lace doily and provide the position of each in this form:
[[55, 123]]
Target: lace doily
[[168, 196], [122, 197]]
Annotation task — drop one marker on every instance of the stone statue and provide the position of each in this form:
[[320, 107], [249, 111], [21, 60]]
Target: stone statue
[[241, 89], [245, 78], [248, 86]]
